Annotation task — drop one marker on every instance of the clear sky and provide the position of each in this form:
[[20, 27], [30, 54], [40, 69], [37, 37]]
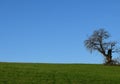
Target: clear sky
[[53, 31]]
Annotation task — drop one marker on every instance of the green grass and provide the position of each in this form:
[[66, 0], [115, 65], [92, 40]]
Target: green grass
[[26, 73]]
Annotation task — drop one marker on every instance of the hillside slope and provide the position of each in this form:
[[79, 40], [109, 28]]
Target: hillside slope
[[28, 73]]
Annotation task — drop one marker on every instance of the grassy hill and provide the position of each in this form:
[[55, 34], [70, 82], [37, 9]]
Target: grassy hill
[[26, 73]]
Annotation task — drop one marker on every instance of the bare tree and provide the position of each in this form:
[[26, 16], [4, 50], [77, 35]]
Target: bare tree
[[97, 42]]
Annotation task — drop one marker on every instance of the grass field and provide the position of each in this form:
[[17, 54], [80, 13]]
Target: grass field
[[23, 73]]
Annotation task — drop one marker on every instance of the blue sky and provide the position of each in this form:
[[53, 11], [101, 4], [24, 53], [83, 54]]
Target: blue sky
[[53, 31]]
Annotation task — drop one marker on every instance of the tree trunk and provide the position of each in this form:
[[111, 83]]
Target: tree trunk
[[109, 57]]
